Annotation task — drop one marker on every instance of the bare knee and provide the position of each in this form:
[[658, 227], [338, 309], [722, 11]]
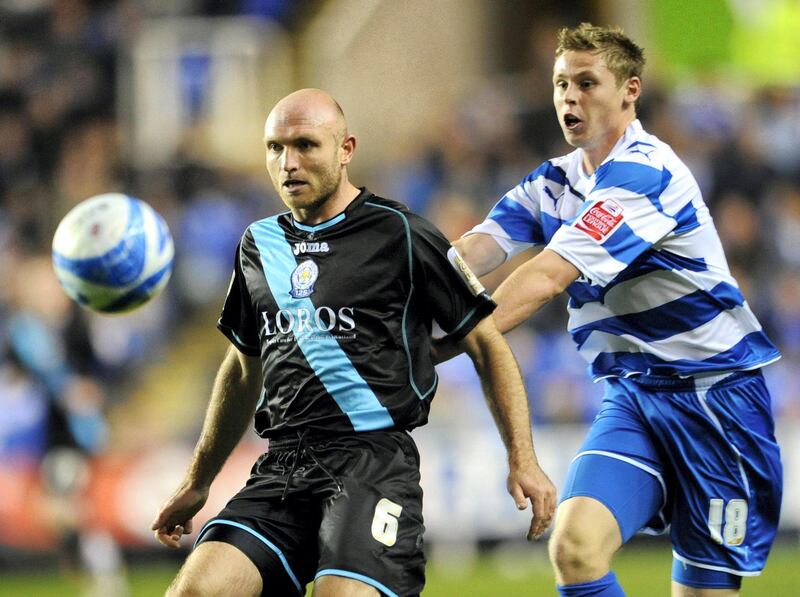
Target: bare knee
[[577, 559], [185, 586], [584, 540], [188, 584]]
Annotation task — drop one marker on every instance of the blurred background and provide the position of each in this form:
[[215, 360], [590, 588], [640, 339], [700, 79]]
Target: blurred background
[[451, 103]]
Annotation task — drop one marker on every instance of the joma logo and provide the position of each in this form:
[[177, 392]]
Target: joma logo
[[305, 247]]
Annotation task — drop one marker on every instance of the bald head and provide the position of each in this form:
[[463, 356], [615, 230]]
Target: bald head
[[308, 150], [309, 107]]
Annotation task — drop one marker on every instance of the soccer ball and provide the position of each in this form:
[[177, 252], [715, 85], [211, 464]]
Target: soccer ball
[[112, 253]]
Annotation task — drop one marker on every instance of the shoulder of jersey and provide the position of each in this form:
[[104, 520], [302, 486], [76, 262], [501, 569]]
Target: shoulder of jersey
[[398, 215], [390, 203], [553, 170], [647, 150]]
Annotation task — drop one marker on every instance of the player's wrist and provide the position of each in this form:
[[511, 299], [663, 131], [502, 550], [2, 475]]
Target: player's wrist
[[198, 480], [523, 457]]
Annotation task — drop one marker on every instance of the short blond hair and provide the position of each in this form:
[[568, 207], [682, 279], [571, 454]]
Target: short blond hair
[[619, 52]]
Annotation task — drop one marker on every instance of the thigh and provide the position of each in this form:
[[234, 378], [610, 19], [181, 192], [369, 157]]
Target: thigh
[[620, 465], [729, 480], [217, 569], [278, 535], [371, 531]]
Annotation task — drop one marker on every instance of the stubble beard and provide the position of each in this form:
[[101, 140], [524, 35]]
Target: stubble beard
[[329, 183]]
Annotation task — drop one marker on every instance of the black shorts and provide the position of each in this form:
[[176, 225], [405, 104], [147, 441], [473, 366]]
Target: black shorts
[[347, 505]]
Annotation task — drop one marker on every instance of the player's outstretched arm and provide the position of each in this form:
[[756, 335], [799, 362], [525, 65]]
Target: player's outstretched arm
[[526, 290], [530, 287], [481, 252], [505, 395], [233, 402]]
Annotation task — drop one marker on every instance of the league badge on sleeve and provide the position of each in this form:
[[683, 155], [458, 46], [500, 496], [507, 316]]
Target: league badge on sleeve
[[466, 274], [303, 278], [601, 219]]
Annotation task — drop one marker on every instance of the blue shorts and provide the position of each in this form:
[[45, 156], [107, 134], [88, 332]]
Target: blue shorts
[[698, 454]]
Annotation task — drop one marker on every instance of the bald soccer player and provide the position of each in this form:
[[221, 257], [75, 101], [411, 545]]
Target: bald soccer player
[[329, 314]]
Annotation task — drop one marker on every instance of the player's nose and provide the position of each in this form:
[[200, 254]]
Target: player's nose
[[570, 94], [289, 159]]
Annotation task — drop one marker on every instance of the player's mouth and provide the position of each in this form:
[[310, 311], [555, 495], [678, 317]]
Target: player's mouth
[[294, 186], [571, 122]]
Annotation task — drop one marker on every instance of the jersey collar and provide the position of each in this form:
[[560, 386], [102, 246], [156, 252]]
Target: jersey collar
[[360, 198]]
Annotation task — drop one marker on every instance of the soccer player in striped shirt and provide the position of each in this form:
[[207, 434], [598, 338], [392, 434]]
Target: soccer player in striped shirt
[[684, 435]]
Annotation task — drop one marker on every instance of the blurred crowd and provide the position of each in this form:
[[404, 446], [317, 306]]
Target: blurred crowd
[[60, 143], [62, 370]]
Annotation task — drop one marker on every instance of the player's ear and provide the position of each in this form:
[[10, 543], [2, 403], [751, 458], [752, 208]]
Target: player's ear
[[633, 89], [347, 149]]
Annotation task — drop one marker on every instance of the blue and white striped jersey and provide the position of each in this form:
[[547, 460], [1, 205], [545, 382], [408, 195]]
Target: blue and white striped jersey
[[656, 295]]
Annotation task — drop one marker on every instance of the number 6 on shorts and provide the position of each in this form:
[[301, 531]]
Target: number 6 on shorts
[[384, 523]]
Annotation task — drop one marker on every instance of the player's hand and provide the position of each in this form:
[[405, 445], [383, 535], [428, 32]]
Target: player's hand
[[528, 482], [175, 518]]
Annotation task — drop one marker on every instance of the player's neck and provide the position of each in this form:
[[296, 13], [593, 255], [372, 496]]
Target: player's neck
[[596, 154], [332, 207]]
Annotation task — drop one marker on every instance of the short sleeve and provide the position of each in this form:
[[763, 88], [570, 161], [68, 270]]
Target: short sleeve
[[453, 294], [515, 221], [238, 320]]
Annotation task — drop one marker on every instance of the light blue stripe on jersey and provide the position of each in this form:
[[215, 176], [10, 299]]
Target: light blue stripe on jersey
[[671, 318], [517, 221], [634, 177], [318, 227], [322, 351]]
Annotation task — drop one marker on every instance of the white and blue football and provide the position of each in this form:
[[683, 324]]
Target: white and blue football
[[112, 253]]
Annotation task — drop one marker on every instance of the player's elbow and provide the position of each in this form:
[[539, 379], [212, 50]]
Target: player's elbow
[[482, 342], [555, 273], [552, 285]]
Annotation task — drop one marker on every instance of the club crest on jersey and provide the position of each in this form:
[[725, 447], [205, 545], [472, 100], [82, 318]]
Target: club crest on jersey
[[601, 219], [303, 278]]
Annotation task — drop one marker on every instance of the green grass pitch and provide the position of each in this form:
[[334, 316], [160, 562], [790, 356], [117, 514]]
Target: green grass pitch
[[643, 570]]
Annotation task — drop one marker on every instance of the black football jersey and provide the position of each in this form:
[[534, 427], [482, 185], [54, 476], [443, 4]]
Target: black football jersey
[[341, 313]]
